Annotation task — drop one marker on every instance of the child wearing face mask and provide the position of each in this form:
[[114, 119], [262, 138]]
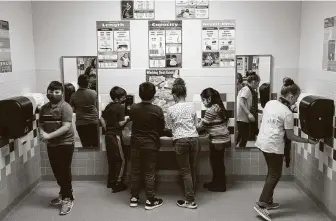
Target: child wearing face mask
[[55, 126], [277, 121], [113, 120], [215, 122]]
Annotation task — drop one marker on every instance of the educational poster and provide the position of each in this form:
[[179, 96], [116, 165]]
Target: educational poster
[[218, 44], [192, 9], [5, 51], [329, 57], [165, 44], [163, 81], [137, 9], [114, 46]]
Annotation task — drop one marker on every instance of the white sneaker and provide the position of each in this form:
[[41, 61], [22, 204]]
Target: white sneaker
[[263, 213]]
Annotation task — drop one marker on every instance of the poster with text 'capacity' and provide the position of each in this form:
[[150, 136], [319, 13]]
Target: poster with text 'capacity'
[[114, 47], [165, 44], [329, 57], [137, 9], [218, 44], [192, 9], [163, 81], [5, 51]]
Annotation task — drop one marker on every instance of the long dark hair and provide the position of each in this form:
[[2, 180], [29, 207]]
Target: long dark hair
[[215, 99], [92, 66], [179, 89]]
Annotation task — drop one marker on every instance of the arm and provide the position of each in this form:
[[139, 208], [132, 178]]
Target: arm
[[161, 122], [169, 120], [121, 117], [289, 125], [291, 136], [209, 116], [72, 102], [243, 105]]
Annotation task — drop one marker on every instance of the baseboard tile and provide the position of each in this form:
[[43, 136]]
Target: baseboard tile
[[9, 209], [299, 185]]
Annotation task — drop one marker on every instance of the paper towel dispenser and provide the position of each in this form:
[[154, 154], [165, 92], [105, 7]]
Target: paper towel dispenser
[[16, 117], [128, 104], [69, 89], [316, 116]]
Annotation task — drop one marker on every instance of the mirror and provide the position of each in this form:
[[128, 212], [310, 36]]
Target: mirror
[[83, 98], [246, 131]]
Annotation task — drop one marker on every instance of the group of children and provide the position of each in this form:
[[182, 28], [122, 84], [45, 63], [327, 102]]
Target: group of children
[[149, 123]]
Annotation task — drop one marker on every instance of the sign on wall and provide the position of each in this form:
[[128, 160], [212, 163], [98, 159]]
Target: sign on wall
[[192, 9], [137, 9], [165, 44], [218, 44], [329, 54], [113, 43], [5, 51], [163, 81]]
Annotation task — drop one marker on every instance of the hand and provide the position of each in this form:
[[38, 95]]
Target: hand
[[44, 136], [251, 117], [313, 142], [127, 119]]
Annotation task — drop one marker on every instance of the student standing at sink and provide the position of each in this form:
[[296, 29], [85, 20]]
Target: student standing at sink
[[215, 122], [113, 121], [182, 120]]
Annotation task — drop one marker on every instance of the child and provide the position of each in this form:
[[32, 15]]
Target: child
[[148, 124], [244, 106], [113, 120], [173, 62], [182, 120], [56, 130], [277, 121], [125, 60], [215, 122]]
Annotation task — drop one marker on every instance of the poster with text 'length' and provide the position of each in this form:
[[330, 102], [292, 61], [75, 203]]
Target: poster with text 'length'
[[5, 51], [165, 44], [163, 81], [192, 9], [137, 9], [218, 44], [329, 48], [113, 44]]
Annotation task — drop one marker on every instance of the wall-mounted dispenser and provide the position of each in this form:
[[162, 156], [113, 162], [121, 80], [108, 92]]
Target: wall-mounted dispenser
[[69, 89], [37, 99], [16, 117], [128, 104], [316, 116]]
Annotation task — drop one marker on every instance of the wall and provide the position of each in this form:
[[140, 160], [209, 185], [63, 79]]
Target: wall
[[68, 29], [19, 159], [315, 168]]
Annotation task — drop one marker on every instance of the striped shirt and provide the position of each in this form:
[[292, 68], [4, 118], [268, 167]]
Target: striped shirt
[[215, 126]]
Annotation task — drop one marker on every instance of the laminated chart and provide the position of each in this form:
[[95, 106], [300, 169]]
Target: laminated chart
[[5, 51]]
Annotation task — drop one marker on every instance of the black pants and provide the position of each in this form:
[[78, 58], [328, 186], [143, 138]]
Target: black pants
[[60, 158], [243, 133], [143, 161], [217, 152], [88, 135], [274, 165], [116, 158]]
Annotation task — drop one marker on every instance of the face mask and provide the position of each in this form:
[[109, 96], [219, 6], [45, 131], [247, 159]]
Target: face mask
[[54, 99]]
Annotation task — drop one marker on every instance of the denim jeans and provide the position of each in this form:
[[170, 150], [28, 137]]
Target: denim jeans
[[186, 154], [144, 159], [274, 164]]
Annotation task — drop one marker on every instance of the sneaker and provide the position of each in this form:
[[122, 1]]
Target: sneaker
[[263, 213], [134, 202], [273, 206], [67, 205], [57, 201], [119, 187], [153, 204], [186, 204]]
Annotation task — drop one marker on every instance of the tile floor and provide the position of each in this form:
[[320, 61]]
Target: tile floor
[[95, 203]]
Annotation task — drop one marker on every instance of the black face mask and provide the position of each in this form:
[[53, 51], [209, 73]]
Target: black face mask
[[54, 99]]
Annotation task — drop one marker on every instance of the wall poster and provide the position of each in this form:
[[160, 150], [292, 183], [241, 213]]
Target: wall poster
[[329, 57], [137, 9], [192, 9], [114, 45], [5, 51], [218, 44], [163, 81], [165, 44]]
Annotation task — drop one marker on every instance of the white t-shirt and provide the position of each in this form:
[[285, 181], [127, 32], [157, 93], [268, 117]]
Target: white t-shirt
[[277, 118], [245, 92]]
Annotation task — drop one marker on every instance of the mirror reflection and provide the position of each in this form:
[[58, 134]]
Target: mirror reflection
[[80, 83], [253, 82]]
